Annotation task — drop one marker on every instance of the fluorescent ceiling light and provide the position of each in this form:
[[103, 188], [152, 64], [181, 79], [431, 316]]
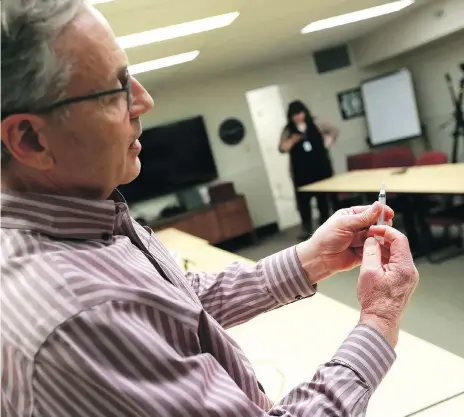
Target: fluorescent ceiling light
[[357, 16], [163, 62], [177, 31]]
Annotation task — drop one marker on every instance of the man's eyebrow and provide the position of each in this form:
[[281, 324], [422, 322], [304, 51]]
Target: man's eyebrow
[[122, 71], [119, 74]]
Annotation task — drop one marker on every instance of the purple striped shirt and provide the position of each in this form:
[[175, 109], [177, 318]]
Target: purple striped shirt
[[99, 320]]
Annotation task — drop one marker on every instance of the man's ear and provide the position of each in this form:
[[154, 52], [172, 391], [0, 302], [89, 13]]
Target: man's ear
[[23, 135]]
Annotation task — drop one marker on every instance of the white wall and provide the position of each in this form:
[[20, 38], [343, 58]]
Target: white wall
[[415, 29], [222, 97]]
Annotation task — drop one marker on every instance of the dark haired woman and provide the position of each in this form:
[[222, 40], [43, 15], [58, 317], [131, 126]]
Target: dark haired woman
[[307, 139]]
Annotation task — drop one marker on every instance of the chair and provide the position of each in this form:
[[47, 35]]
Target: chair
[[445, 218], [432, 158], [360, 161], [394, 157], [439, 211], [355, 162]]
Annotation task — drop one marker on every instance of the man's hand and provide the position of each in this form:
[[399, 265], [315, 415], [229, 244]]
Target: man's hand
[[335, 245], [386, 282]]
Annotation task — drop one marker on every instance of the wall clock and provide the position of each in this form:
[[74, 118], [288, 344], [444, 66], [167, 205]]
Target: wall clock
[[231, 131]]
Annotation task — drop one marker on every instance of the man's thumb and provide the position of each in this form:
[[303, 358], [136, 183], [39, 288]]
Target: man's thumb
[[372, 254], [364, 219]]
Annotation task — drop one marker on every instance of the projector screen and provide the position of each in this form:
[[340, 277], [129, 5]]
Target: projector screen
[[390, 107]]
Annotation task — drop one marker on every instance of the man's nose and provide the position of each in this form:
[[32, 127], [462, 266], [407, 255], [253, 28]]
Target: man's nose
[[142, 102]]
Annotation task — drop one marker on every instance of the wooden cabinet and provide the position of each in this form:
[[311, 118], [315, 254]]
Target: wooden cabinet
[[234, 219], [216, 223], [202, 224]]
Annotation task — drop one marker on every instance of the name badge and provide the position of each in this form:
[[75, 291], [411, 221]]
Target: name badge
[[307, 146]]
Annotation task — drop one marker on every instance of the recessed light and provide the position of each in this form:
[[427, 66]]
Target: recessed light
[[163, 62], [357, 16], [176, 31]]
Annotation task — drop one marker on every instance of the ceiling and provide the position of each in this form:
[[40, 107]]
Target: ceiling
[[266, 31]]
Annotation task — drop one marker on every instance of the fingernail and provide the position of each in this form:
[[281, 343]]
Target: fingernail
[[370, 241], [380, 239]]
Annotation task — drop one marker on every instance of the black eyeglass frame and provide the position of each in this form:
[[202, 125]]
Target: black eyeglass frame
[[67, 101]]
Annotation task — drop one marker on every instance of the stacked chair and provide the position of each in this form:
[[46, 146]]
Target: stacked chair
[[440, 212]]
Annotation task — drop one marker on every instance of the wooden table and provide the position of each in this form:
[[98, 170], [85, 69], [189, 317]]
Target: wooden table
[[180, 240], [430, 179], [210, 258], [422, 376], [286, 346], [410, 185], [192, 252]]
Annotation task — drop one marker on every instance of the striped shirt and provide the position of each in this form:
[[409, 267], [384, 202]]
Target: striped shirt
[[98, 320]]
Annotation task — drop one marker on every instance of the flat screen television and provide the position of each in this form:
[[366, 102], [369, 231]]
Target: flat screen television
[[174, 157]]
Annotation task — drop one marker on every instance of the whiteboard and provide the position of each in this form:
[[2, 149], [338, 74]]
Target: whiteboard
[[390, 107]]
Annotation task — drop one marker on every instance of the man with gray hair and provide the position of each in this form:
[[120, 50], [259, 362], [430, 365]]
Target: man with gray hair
[[97, 318]]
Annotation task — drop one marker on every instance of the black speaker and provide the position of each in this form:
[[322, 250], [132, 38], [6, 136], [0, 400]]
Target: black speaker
[[332, 59]]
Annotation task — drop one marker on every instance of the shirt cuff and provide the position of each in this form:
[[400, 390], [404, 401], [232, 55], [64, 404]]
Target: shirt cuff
[[285, 278], [367, 353]]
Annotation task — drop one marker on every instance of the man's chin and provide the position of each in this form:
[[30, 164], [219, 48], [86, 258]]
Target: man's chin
[[132, 172]]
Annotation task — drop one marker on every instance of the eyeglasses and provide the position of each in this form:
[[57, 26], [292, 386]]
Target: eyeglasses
[[126, 88]]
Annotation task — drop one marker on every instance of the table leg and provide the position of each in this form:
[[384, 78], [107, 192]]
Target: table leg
[[411, 224]]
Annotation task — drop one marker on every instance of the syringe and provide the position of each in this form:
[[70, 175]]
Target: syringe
[[383, 201]]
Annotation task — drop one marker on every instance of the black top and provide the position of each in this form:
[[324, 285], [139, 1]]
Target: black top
[[309, 159]]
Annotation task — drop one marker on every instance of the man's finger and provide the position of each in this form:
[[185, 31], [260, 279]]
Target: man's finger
[[384, 251], [388, 211], [364, 219], [388, 233], [372, 255], [396, 240], [359, 239]]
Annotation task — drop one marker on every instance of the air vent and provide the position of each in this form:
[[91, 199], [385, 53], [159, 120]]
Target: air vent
[[332, 59]]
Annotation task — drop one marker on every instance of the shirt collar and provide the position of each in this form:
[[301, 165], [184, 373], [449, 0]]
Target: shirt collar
[[61, 217]]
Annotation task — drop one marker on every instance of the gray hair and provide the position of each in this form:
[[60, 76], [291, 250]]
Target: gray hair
[[33, 75]]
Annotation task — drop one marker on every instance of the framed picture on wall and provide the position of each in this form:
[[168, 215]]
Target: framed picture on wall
[[351, 104]]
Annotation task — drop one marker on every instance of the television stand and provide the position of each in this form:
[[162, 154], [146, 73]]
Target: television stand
[[215, 223], [171, 211]]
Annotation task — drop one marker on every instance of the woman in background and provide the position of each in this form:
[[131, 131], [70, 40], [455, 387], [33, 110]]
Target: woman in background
[[307, 140]]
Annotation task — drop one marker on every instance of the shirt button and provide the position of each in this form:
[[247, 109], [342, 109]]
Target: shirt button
[[120, 208], [106, 236]]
